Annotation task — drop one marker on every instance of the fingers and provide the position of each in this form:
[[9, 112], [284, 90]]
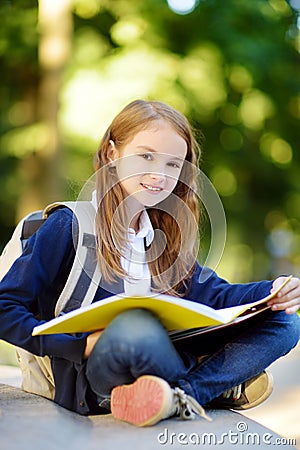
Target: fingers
[[280, 283], [288, 298], [292, 310], [290, 306], [91, 342]]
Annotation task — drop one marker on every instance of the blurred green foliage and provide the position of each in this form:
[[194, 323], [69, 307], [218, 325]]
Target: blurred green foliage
[[232, 67]]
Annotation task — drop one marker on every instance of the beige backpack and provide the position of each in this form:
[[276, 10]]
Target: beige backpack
[[37, 376]]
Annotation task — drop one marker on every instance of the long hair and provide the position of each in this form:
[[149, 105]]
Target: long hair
[[175, 222]]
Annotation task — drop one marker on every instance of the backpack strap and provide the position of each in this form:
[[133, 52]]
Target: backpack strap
[[85, 276], [20, 236], [30, 225]]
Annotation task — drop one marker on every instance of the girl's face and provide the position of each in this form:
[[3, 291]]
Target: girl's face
[[149, 166]]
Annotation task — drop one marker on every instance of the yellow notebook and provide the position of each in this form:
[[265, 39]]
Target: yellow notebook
[[175, 313]]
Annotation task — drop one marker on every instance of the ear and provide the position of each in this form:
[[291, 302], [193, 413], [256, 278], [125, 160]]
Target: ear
[[112, 152]]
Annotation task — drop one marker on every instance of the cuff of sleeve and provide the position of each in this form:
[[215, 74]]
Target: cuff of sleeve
[[65, 346]]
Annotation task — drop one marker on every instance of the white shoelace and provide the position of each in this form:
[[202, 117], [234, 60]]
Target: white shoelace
[[187, 407], [235, 392]]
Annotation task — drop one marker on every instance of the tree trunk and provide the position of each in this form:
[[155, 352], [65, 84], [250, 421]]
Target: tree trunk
[[42, 170]]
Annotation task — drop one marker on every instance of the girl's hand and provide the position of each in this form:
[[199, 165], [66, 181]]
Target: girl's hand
[[288, 298], [90, 343]]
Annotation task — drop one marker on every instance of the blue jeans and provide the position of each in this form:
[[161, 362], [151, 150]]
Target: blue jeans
[[135, 343]]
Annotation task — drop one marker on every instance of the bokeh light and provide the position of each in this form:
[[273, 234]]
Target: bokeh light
[[182, 6]]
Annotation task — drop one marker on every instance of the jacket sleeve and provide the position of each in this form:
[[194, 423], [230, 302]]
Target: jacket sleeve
[[30, 289], [208, 288]]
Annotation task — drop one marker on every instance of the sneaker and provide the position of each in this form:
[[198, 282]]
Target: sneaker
[[246, 395], [150, 399]]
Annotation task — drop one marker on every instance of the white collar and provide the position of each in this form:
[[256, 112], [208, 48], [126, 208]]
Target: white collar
[[145, 229]]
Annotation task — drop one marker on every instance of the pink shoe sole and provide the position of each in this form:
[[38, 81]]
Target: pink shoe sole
[[142, 403]]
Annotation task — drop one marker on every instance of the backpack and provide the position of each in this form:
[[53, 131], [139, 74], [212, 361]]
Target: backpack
[[82, 283]]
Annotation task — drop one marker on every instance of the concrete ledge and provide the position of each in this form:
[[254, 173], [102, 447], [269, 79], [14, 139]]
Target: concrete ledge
[[28, 421]]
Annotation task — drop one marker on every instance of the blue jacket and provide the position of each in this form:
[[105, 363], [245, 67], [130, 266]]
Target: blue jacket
[[28, 295]]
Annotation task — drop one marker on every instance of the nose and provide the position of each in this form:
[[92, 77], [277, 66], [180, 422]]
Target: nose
[[158, 177]]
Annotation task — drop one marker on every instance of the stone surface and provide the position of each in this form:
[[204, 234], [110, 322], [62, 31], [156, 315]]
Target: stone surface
[[28, 421]]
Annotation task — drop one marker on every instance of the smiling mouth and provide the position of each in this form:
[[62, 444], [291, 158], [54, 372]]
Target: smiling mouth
[[151, 188]]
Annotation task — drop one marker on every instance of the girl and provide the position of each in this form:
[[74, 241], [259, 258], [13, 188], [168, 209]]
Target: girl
[[147, 213]]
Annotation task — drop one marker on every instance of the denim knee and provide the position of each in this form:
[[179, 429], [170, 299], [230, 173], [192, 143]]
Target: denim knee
[[135, 327], [288, 328]]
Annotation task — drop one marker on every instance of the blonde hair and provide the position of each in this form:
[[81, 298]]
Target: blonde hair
[[171, 269]]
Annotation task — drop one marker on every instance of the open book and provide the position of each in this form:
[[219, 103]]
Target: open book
[[175, 313]]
